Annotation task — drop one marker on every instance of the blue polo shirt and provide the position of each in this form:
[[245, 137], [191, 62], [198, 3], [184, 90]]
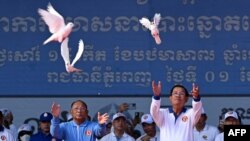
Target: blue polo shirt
[[70, 131]]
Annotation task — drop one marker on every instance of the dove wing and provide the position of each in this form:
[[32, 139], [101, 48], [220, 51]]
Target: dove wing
[[52, 18], [157, 18], [79, 52], [145, 22], [65, 51]]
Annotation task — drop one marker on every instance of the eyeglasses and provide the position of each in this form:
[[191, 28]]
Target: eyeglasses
[[181, 94], [79, 108]]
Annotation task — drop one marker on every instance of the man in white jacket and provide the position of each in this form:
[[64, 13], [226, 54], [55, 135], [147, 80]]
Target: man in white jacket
[[176, 123]]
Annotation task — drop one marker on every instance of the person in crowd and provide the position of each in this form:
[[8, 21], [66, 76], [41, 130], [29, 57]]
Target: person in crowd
[[150, 129], [230, 118], [118, 133], [43, 133], [8, 121], [80, 128], [176, 123], [131, 123], [203, 131], [5, 133], [24, 132]]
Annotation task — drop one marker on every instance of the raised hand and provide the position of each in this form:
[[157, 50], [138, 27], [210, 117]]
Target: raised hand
[[102, 118], [195, 91], [156, 88], [55, 110]]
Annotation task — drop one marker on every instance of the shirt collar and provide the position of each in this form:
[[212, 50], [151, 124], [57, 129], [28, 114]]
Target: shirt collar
[[124, 134], [176, 116], [172, 111], [84, 124]]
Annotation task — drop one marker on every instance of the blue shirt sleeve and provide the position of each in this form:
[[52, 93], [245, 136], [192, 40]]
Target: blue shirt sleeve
[[55, 130]]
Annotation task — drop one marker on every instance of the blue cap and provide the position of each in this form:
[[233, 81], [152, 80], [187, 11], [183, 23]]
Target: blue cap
[[46, 117]]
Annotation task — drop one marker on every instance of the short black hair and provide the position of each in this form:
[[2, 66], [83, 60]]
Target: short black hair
[[79, 101], [181, 86]]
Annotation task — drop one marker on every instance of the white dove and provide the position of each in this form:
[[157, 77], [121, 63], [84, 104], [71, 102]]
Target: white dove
[[65, 55], [152, 26], [56, 24]]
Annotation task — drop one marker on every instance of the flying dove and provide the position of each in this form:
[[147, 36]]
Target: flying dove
[[65, 55], [153, 26], [56, 24]]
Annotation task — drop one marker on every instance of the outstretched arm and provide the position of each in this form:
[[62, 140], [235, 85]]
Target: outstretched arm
[[55, 122], [196, 104], [155, 104], [156, 88], [100, 129]]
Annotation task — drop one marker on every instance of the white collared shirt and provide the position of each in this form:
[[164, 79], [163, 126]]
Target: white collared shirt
[[208, 133], [155, 138], [111, 137], [175, 128]]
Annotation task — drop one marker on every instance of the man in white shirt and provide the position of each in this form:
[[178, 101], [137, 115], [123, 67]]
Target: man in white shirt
[[8, 121], [5, 133], [203, 131], [176, 123], [118, 133], [230, 118], [149, 128]]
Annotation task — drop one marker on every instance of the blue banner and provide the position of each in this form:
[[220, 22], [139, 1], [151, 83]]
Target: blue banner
[[203, 42]]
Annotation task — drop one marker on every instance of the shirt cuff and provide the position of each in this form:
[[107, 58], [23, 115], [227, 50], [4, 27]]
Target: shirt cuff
[[197, 99], [157, 97]]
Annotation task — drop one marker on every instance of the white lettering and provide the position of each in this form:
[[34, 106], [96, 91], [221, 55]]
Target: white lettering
[[237, 132], [231, 132], [243, 131]]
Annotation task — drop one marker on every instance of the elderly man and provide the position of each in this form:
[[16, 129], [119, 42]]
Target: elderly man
[[80, 128]]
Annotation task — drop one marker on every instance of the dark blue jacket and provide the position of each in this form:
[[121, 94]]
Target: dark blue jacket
[[42, 137]]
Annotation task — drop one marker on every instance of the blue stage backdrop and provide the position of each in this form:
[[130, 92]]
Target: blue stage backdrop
[[206, 42]]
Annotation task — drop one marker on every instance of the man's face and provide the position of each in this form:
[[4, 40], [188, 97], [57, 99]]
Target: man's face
[[79, 111], [202, 120], [119, 123], [149, 129], [45, 126], [178, 96]]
